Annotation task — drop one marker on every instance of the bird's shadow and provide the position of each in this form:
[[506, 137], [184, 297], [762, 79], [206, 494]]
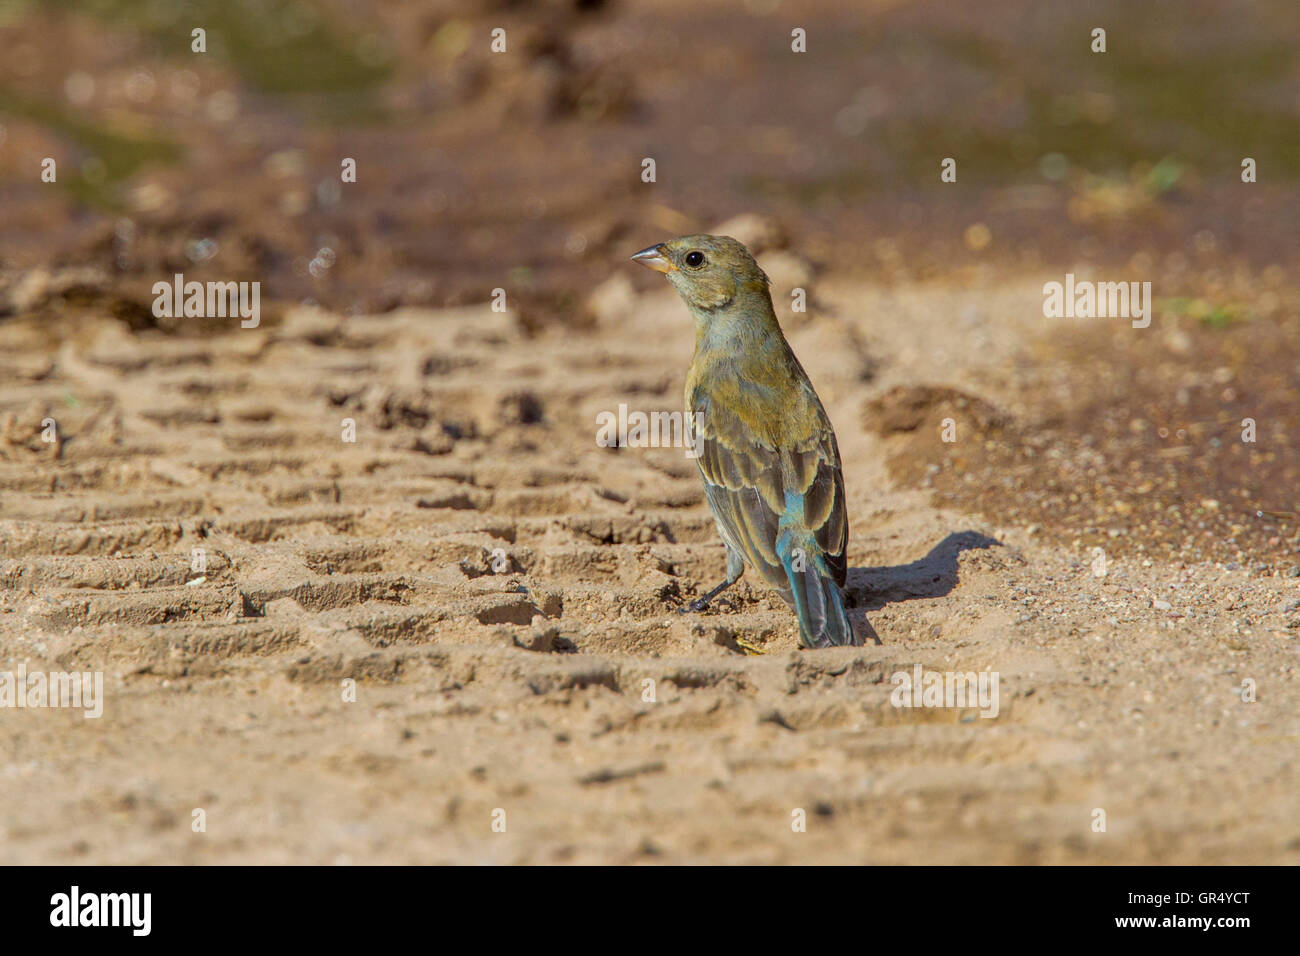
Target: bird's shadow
[[870, 589]]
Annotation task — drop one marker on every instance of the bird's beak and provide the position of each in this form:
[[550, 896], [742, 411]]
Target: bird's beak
[[655, 258]]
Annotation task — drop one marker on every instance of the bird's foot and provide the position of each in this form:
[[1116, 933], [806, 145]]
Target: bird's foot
[[750, 650], [702, 602]]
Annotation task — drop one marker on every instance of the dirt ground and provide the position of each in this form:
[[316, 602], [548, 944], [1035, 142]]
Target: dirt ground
[[523, 689]]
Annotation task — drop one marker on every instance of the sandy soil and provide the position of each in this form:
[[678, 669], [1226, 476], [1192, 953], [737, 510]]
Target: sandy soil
[[523, 687]]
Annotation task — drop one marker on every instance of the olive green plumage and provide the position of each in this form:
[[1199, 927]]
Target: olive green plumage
[[769, 459]]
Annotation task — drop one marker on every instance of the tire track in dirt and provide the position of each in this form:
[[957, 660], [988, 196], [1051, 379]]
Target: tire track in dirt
[[501, 588]]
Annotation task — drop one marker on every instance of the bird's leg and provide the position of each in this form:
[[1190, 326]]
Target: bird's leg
[[702, 603], [735, 568]]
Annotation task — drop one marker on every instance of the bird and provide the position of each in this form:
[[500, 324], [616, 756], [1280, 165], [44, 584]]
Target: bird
[[766, 448]]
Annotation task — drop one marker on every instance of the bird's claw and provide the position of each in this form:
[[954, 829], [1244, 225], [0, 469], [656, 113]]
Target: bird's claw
[[694, 607]]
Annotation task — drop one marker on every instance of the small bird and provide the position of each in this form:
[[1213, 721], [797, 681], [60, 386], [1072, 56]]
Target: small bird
[[768, 455]]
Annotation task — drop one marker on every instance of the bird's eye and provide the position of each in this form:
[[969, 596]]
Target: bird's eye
[[695, 259]]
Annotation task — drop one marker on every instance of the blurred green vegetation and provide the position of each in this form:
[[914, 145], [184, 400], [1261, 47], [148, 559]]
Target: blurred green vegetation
[[276, 46], [1098, 113], [113, 156], [1209, 314]]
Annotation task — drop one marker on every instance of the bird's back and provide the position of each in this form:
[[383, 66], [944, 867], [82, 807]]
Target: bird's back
[[769, 457]]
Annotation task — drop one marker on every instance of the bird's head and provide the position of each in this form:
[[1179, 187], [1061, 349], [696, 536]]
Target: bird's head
[[708, 272]]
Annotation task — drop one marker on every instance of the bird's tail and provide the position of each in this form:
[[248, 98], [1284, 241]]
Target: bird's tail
[[818, 601]]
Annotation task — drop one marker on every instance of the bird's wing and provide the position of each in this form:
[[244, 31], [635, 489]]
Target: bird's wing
[[755, 487]]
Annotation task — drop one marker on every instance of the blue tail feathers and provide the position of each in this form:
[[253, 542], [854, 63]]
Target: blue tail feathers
[[818, 600]]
